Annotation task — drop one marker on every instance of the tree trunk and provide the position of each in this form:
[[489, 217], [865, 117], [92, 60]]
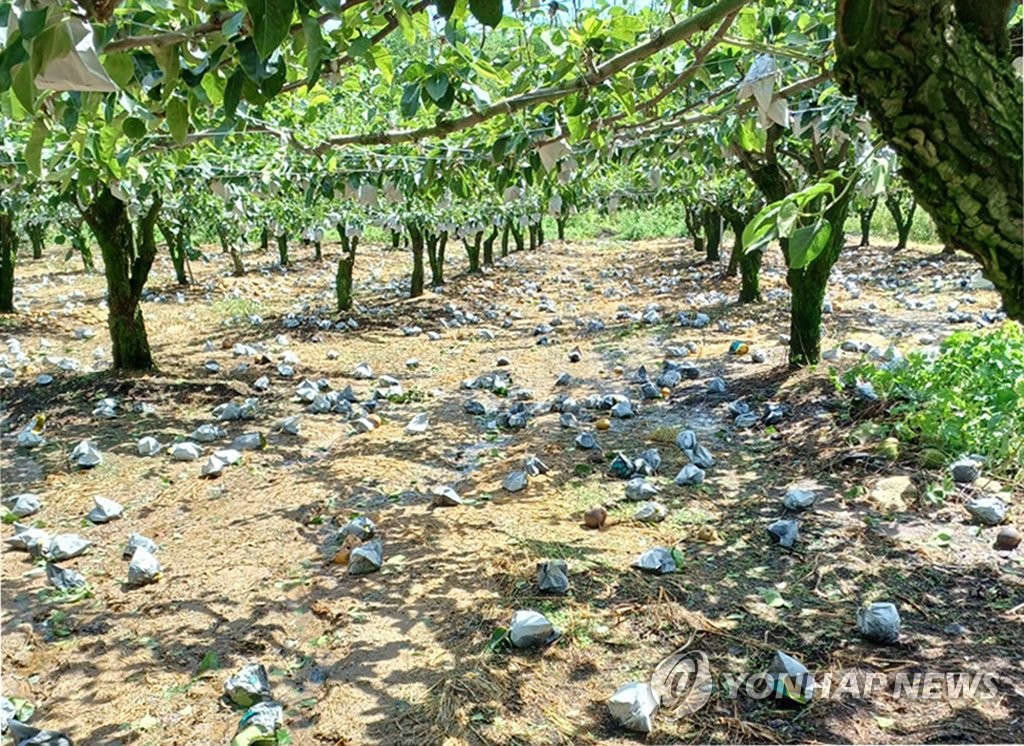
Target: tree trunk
[[540, 233], [127, 263], [473, 252], [903, 218], [318, 251], [231, 249], [517, 236], [505, 232], [37, 237], [264, 239], [865, 215], [489, 247], [435, 256], [712, 220], [939, 83], [560, 224], [282, 249], [8, 252], [176, 246], [346, 263], [694, 225], [749, 265], [808, 290], [80, 244], [416, 241], [396, 239], [532, 236]]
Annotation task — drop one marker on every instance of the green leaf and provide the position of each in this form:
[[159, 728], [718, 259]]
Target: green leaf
[[789, 213], [233, 93], [762, 229], [210, 661], [410, 103], [120, 68], [488, 12], [31, 23], [773, 598], [808, 242], [499, 639], [384, 62], [23, 86], [437, 86], [751, 137], [34, 147], [445, 8], [315, 48], [134, 128], [271, 21], [177, 119]]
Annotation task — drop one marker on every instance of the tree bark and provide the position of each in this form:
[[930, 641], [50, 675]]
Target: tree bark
[[532, 236], [749, 265], [264, 239], [941, 88], [540, 233], [435, 256], [282, 249], [231, 249], [902, 216], [346, 263], [517, 236], [695, 225], [416, 242], [865, 215], [8, 253], [712, 220], [505, 232], [127, 262], [807, 286], [489, 247], [473, 252], [37, 237], [176, 246], [560, 225]]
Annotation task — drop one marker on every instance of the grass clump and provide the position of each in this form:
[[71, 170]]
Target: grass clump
[[965, 400]]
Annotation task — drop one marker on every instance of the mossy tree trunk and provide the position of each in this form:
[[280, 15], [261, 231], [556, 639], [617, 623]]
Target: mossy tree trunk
[[489, 246], [127, 259], [436, 244], [560, 225], [749, 265], [695, 225], [540, 233], [230, 247], [473, 252], [901, 205], [37, 237], [711, 219], [865, 215], [505, 233], [416, 244], [8, 255], [282, 249], [517, 235], [79, 243], [177, 241], [346, 264], [807, 287], [938, 80]]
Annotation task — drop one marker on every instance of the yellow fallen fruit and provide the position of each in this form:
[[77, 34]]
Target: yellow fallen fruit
[[603, 424], [666, 392], [375, 419]]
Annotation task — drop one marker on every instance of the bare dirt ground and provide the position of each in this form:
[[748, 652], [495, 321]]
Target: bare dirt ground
[[401, 656]]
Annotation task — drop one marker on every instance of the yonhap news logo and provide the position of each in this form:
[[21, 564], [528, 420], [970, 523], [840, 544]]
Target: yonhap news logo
[[684, 682]]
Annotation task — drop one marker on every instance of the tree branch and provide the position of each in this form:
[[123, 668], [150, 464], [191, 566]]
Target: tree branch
[[684, 29]]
